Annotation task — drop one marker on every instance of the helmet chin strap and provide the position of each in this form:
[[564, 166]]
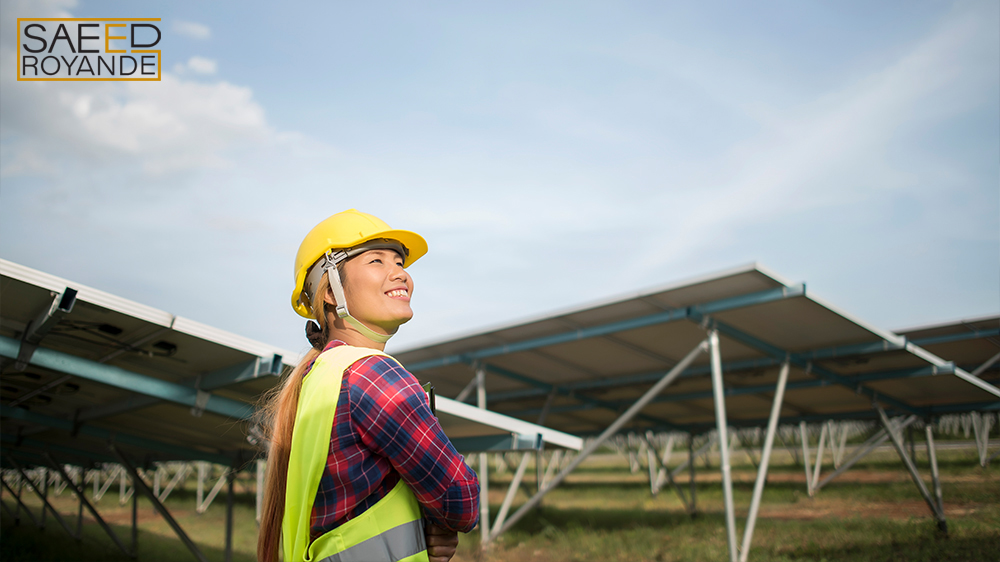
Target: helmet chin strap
[[342, 312]]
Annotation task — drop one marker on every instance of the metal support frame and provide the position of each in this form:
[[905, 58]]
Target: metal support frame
[[135, 522], [484, 466], [868, 446], [261, 467], [140, 485], [99, 493], [178, 479], [230, 476], [203, 505], [932, 457], [515, 484], [838, 451], [897, 442], [127, 380], [824, 431], [804, 433], [20, 503], [45, 503], [124, 492], [83, 502], [981, 426], [703, 449], [720, 420], [765, 459], [38, 328], [627, 416], [692, 487], [550, 470], [658, 466]]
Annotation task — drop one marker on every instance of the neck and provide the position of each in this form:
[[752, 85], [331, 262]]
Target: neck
[[341, 330]]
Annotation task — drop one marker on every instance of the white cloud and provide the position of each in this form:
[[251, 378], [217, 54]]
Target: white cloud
[[159, 128], [201, 65], [192, 29]]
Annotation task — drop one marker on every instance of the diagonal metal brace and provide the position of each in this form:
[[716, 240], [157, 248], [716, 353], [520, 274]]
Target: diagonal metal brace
[[140, 485], [79, 493], [912, 468]]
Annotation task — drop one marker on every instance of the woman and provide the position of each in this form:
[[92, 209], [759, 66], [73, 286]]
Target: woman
[[357, 460]]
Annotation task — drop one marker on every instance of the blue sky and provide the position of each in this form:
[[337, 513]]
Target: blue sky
[[551, 154]]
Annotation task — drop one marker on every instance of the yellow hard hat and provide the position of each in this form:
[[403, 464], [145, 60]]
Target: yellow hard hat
[[346, 231]]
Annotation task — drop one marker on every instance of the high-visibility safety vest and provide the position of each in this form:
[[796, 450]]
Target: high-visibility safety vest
[[392, 530]]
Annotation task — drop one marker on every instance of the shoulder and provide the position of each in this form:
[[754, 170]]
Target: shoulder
[[380, 374]]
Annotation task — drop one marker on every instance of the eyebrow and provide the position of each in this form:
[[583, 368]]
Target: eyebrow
[[384, 251]]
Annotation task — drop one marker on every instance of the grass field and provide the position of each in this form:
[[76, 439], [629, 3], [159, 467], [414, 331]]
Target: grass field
[[604, 512]]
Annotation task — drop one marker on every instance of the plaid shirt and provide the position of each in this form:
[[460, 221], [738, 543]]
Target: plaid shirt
[[383, 429]]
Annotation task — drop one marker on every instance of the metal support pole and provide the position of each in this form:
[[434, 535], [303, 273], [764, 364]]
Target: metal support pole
[[805, 456], [819, 456], [45, 490], [140, 485], [901, 450], [484, 465], [261, 464], [78, 490], [231, 478], [17, 512], [868, 446], [839, 455], [691, 478], [981, 435], [913, 445], [932, 456], [202, 469], [626, 417], [720, 421], [651, 465], [20, 504], [135, 522], [765, 459], [79, 512], [511, 492]]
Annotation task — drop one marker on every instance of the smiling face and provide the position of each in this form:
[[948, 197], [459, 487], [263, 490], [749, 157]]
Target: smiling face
[[378, 290]]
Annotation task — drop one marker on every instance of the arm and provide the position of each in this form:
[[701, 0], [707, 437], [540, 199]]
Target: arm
[[392, 415]]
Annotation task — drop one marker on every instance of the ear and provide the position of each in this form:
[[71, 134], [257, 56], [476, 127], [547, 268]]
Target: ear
[[328, 297]]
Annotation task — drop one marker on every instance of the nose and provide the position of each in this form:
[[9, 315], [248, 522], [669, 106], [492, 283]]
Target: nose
[[399, 274]]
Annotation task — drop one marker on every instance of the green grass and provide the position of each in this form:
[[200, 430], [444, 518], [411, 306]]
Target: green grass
[[605, 512]]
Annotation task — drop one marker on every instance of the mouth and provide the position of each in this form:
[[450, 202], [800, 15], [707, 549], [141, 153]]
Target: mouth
[[402, 294]]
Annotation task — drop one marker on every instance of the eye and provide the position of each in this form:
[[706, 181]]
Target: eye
[[376, 260]]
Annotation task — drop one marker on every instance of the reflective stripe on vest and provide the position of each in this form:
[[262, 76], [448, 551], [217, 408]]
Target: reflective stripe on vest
[[392, 530], [393, 545]]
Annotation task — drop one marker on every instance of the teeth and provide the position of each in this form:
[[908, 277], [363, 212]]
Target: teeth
[[397, 293]]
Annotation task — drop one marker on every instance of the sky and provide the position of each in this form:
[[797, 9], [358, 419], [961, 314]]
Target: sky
[[552, 154]]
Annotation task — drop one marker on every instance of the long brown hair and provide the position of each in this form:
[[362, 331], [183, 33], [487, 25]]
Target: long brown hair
[[276, 416]]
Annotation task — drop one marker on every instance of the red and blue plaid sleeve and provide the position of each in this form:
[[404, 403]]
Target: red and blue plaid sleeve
[[391, 414]]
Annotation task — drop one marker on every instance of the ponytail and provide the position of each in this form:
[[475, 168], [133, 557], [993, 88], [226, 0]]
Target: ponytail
[[277, 419]]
